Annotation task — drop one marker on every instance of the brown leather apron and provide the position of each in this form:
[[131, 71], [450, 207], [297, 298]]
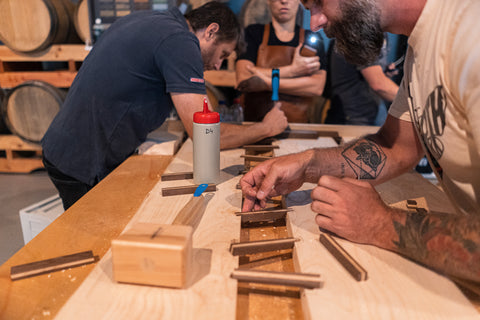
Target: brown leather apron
[[257, 104]]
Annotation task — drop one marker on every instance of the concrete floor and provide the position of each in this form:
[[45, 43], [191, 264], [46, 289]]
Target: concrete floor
[[18, 191]]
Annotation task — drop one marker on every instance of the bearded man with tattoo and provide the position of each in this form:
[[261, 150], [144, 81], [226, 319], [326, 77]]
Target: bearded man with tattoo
[[436, 113]]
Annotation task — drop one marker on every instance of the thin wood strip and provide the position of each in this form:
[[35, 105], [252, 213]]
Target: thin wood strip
[[191, 213], [252, 247], [177, 176], [259, 216], [342, 256], [303, 280], [174, 191], [49, 265], [255, 158], [260, 147]]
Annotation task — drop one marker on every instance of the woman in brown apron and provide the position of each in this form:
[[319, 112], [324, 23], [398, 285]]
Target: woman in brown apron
[[277, 45]]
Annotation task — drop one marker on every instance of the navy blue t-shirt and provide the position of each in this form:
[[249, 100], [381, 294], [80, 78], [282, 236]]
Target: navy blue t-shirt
[[122, 92], [254, 38]]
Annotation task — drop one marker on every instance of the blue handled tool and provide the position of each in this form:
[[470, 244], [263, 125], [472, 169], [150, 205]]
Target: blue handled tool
[[275, 84]]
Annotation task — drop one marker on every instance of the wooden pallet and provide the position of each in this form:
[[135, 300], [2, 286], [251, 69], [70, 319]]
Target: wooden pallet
[[18, 156]]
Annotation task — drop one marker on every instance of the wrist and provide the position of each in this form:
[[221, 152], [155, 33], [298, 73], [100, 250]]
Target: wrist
[[311, 166]]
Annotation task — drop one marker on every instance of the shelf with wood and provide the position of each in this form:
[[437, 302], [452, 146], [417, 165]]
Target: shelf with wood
[[74, 54]]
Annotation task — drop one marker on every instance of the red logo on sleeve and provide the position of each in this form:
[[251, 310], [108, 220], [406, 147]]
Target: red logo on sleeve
[[197, 80]]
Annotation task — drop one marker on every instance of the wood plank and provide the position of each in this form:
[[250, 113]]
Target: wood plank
[[59, 52], [61, 79], [90, 224]]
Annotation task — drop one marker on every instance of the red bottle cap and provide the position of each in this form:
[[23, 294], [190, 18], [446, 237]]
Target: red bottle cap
[[206, 116]]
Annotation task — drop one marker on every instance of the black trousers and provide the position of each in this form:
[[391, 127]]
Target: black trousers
[[69, 189]]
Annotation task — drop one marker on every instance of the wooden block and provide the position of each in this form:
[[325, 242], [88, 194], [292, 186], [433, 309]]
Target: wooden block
[[50, 265], [154, 254], [342, 256]]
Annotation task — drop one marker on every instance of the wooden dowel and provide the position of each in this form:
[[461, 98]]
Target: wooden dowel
[[173, 191], [251, 247], [342, 256], [191, 213], [303, 280], [177, 176], [50, 265]]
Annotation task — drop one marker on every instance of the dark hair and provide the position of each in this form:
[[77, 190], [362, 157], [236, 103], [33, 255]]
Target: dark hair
[[216, 12]]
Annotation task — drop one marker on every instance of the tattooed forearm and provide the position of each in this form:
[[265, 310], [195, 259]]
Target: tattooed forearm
[[446, 242], [366, 158]]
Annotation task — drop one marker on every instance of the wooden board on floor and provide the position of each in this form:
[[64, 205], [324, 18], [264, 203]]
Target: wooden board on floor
[[90, 224]]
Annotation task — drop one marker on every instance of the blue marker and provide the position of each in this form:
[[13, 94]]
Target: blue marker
[[275, 83]]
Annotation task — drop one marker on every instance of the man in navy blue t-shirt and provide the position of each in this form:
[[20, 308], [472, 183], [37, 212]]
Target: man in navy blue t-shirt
[[142, 66]]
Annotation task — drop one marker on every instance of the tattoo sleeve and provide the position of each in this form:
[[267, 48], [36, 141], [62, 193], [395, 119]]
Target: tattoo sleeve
[[447, 242], [366, 158]]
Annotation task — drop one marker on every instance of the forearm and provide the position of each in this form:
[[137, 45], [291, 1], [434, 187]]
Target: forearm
[[234, 136], [449, 243], [304, 86], [368, 158], [388, 90]]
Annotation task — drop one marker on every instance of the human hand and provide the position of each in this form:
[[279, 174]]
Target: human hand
[[352, 209], [391, 70], [275, 120], [272, 178], [303, 66]]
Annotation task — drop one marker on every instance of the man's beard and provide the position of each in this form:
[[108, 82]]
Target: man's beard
[[359, 37]]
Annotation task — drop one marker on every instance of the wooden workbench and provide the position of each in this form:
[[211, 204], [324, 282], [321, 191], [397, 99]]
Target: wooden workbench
[[397, 288]]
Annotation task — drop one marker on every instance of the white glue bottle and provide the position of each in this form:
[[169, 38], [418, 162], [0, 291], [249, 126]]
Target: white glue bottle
[[206, 146]]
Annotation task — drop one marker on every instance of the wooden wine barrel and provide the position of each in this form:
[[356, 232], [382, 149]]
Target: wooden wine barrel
[[3, 126], [257, 11], [30, 107], [31, 26], [82, 22]]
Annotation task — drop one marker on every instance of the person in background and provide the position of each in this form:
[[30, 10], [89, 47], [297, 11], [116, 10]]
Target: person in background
[[436, 112], [142, 66], [277, 45], [355, 92]]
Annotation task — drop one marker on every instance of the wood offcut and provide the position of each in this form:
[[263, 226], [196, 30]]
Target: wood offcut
[[294, 279], [252, 247], [49, 265], [174, 191], [342, 256]]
